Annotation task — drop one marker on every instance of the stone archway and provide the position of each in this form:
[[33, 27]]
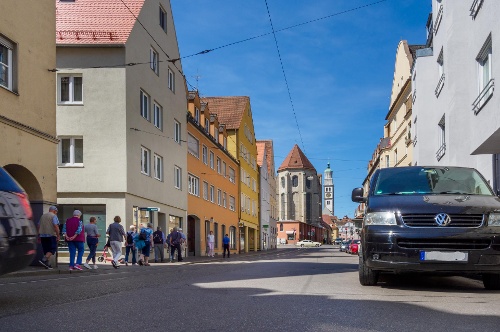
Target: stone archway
[[30, 183]]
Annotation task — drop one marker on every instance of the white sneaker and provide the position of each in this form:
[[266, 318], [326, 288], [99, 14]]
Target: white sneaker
[[87, 265], [95, 267]]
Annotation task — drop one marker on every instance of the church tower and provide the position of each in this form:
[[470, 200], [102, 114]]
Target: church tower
[[328, 189]]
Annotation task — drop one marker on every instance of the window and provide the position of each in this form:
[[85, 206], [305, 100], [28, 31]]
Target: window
[[7, 56], [204, 151], [442, 139], [216, 235], [474, 9], [177, 131], [193, 185], [395, 157], [232, 237], [232, 202], [212, 194], [485, 81], [219, 197], [283, 205], [224, 199], [196, 115], [295, 181], [144, 105], [231, 175], [158, 116], [224, 142], [211, 160], [145, 161], [281, 227], [71, 151], [171, 80], [177, 177], [224, 168], [219, 165], [207, 125], [205, 190], [163, 19], [387, 163], [158, 164], [242, 202], [308, 183], [216, 135], [154, 61], [70, 88], [282, 182], [193, 146]]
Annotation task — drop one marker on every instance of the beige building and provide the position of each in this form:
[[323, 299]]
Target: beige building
[[121, 113], [395, 149], [28, 141]]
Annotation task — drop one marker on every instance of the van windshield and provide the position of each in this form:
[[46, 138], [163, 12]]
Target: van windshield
[[430, 180]]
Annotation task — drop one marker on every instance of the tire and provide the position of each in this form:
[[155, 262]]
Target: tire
[[491, 281], [317, 245], [367, 277], [302, 246], [100, 259]]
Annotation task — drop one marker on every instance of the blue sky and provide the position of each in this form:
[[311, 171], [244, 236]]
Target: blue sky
[[339, 72]]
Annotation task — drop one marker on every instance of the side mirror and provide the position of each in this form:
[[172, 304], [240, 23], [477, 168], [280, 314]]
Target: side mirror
[[358, 195]]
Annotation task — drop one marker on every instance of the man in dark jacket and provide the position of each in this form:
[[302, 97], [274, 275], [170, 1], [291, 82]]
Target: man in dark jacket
[[159, 242], [175, 244]]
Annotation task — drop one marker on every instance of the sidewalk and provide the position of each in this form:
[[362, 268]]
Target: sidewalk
[[63, 268]]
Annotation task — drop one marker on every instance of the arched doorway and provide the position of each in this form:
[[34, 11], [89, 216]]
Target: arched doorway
[[30, 183], [193, 235]]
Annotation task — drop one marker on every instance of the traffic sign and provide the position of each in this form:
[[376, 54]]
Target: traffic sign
[[149, 209]]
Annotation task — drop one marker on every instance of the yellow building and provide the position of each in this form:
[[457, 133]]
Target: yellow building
[[28, 142], [236, 114], [213, 194]]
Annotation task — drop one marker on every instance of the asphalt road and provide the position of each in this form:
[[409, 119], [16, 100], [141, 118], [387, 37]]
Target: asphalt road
[[291, 289]]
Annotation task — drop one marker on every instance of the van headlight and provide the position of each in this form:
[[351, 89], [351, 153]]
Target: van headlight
[[494, 219], [380, 218]]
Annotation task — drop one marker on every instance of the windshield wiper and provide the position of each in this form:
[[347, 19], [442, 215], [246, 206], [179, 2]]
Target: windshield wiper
[[455, 192]]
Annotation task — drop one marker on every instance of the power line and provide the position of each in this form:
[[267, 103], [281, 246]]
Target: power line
[[284, 75], [280, 30]]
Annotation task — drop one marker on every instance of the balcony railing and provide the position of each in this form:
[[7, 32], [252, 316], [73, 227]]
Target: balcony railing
[[474, 8], [439, 17], [441, 151], [484, 96], [440, 85]]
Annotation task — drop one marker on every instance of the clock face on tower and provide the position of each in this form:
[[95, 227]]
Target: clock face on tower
[[328, 195]]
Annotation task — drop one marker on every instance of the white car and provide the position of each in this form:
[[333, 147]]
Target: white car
[[308, 243]]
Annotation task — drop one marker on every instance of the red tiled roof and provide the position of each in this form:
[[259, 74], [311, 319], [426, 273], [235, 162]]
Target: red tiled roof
[[229, 110], [261, 148], [85, 22], [269, 154], [296, 159]]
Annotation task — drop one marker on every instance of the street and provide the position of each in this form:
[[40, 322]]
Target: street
[[310, 289]]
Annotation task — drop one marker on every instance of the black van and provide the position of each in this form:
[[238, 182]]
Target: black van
[[429, 219]]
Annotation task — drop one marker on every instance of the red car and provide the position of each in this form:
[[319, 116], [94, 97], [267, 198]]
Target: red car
[[354, 246]]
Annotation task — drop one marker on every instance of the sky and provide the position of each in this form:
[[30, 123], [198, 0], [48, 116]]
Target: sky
[[322, 80]]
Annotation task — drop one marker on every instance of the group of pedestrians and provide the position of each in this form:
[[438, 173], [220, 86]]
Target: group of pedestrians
[[74, 231]]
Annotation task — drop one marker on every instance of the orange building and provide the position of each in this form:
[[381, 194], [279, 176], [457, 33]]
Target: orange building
[[213, 198]]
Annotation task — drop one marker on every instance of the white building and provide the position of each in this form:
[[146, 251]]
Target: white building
[[455, 113], [267, 195], [328, 190], [121, 113]]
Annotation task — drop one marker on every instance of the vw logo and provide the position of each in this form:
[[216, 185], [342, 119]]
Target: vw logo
[[442, 219]]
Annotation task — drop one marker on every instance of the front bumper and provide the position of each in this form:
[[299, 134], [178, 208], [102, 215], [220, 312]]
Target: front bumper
[[400, 249]]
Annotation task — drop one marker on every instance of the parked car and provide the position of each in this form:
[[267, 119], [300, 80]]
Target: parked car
[[337, 241], [308, 243], [344, 245], [18, 234], [353, 247], [429, 219]]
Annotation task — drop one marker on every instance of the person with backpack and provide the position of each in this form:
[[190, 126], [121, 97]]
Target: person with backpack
[[145, 239], [158, 243], [175, 244], [130, 246]]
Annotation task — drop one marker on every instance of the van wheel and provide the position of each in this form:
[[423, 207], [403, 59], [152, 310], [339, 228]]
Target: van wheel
[[367, 277], [302, 246], [491, 281]]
